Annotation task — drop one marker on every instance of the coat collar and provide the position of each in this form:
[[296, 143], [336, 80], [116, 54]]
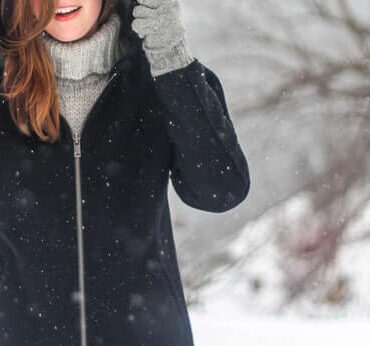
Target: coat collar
[[128, 67]]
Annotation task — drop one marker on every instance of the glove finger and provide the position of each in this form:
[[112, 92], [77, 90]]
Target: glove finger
[[164, 39], [151, 3], [145, 26], [168, 9], [155, 24], [143, 12], [154, 41]]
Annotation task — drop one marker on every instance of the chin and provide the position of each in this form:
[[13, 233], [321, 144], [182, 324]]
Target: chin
[[67, 38]]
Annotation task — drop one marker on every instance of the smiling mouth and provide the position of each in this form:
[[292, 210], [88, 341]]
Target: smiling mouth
[[61, 15]]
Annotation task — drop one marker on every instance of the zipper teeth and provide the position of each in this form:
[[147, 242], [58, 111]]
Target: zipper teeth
[[77, 155], [112, 76], [77, 146]]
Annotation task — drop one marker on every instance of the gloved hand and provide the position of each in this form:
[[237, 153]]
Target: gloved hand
[[159, 23]]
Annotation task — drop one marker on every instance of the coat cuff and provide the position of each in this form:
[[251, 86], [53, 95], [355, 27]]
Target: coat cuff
[[169, 59]]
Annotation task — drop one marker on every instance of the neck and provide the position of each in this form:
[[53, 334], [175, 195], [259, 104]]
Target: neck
[[96, 54]]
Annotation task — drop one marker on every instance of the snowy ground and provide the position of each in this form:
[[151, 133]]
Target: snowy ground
[[222, 324], [232, 313], [224, 320]]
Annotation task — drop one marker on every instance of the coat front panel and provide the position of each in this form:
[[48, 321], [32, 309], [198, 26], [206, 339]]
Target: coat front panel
[[38, 239], [124, 176]]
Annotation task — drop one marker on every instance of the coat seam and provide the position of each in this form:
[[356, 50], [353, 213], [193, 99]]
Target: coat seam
[[164, 273], [175, 300]]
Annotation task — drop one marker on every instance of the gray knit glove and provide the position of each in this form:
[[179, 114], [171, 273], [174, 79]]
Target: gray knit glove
[[159, 23]]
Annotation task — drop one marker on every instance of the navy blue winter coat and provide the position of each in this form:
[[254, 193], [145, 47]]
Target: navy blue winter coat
[[141, 132]]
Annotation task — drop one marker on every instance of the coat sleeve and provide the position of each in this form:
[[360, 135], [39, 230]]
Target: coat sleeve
[[208, 168]]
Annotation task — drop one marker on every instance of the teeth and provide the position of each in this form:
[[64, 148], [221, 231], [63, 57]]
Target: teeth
[[65, 10]]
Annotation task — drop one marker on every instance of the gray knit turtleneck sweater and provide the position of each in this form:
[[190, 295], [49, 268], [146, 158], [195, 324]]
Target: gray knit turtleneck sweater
[[82, 69]]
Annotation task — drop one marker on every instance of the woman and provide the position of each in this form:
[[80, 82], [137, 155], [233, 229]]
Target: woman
[[99, 108]]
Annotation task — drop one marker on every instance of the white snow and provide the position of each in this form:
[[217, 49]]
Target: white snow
[[222, 324], [232, 313]]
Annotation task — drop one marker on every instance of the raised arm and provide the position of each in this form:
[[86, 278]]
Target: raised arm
[[209, 170]]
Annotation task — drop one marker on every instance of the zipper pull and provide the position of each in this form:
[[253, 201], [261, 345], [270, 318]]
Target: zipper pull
[[77, 145], [111, 77]]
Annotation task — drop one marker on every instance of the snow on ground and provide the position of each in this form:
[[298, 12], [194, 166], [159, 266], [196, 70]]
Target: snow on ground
[[233, 313], [223, 324]]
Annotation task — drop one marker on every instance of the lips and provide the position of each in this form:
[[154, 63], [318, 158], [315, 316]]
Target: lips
[[64, 6], [68, 16]]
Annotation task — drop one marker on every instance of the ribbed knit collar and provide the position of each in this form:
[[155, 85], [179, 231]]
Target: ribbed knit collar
[[95, 54]]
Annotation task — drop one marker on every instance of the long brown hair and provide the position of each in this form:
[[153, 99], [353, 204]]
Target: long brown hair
[[29, 82]]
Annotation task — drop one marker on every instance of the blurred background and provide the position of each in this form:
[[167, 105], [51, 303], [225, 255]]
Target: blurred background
[[291, 264]]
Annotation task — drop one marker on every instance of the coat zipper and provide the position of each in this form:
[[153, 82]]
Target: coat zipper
[[81, 281]]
